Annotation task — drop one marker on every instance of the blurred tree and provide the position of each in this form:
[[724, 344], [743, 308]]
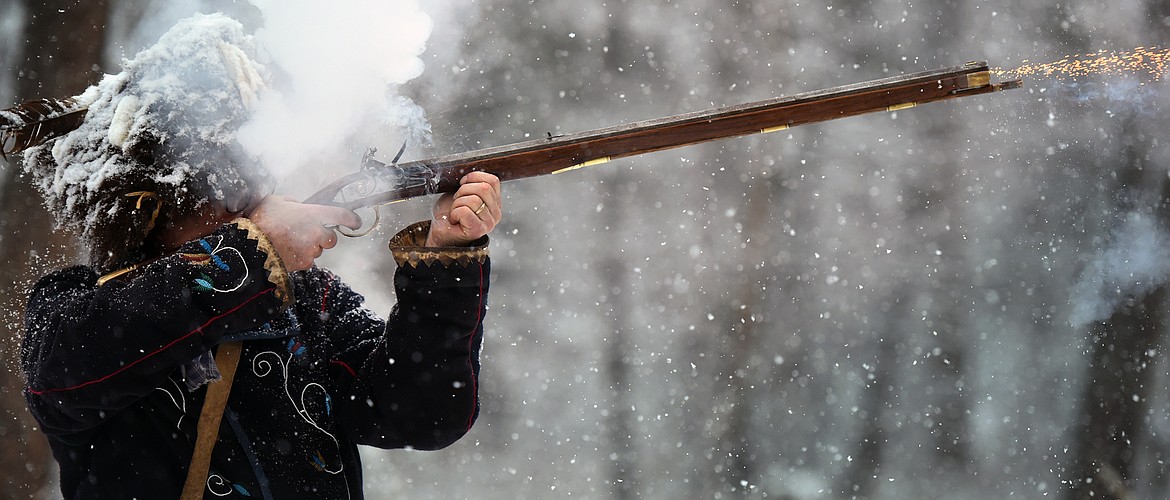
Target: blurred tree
[[1122, 350], [61, 57], [619, 442], [860, 477], [945, 335], [749, 191], [878, 340], [623, 478], [1114, 411]]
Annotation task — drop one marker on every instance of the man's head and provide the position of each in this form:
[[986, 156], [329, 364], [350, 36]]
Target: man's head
[[158, 142]]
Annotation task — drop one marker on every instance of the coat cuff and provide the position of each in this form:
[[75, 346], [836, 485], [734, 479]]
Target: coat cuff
[[277, 274], [409, 248]]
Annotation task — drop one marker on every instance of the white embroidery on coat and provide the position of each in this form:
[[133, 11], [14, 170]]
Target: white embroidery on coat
[[263, 367]]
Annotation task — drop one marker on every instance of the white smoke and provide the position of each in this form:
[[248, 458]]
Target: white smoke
[[1121, 94], [1136, 262], [338, 69]]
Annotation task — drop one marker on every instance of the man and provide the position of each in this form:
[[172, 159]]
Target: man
[[188, 259]]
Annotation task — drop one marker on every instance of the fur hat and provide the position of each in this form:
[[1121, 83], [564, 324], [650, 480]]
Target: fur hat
[[157, 141]]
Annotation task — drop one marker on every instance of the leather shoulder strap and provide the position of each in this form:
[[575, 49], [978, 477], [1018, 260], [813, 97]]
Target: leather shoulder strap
[[227, 356]]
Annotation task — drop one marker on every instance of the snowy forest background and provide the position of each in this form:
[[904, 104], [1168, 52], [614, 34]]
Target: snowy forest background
[[962, 300]]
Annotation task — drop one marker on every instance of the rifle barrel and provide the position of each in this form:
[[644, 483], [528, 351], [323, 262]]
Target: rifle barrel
[[573, 151]]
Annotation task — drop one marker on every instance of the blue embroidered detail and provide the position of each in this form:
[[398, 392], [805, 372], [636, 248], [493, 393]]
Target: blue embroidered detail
[[220, 263], [203, 283], [212, 256], [296, 347], [211, 252], [318, 462]]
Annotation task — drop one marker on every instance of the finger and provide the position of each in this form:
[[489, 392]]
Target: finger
[[471, 209], [495, 199], [345, 217], [477, 203], [484, 183], [478, 176], [442, 205], [330, 240], [495, 194], [459, 213], [473, 225], [463, 213], [481, 197], [337, 216], [277, 198]]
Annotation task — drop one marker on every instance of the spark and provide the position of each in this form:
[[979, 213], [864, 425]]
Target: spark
[[1148, 61]]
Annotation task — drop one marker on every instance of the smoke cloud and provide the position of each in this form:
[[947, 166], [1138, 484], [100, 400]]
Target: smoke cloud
[[1137, 261], [1126, 95], [337, 71]]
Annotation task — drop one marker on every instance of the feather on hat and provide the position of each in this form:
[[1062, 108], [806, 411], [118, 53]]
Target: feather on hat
[[36, 122]]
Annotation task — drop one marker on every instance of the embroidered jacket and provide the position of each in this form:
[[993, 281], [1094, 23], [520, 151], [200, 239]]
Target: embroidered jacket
[[108, 368]]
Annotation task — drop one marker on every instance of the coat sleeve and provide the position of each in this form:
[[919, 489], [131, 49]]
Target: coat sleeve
[[412, 382], [91, 350]]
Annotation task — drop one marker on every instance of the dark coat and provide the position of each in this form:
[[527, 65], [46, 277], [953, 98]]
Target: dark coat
[[108, 368]]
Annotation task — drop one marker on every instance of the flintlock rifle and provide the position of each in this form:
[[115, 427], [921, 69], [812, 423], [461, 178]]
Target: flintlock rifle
[[377, 183]]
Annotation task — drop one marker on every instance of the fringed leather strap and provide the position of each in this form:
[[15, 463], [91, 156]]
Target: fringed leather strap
[[227, 356]]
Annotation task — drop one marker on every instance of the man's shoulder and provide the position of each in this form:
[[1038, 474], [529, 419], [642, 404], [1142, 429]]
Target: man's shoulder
[[76, 272], [69, 277]]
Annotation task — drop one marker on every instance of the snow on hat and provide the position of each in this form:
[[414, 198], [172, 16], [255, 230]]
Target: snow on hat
[[157, 138]]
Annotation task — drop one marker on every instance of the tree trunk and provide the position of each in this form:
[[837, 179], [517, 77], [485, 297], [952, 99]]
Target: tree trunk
[[739, 451], [951, 408], [1122, 353], [860, 477], [622, 463], [619, 429], [1114, 411], [63, 47]]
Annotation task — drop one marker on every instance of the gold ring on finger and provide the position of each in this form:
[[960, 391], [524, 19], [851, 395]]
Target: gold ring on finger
[[481, 207]]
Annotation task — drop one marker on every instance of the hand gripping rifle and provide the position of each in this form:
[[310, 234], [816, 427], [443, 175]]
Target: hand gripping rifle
[[378, 183]]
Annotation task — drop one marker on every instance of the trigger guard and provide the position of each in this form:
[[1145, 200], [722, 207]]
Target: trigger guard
[[344, 231]]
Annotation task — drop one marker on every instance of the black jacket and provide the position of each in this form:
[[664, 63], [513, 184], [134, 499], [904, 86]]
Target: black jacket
[[108, 368]]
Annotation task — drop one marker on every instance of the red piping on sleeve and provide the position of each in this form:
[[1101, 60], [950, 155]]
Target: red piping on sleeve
[[325, 294], [345, 365]]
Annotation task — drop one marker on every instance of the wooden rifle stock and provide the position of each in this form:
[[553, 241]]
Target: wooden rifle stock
[[377, 183]]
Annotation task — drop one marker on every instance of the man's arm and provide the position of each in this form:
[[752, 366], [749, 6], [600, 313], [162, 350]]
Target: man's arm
[[411, 381], [417, 384]]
